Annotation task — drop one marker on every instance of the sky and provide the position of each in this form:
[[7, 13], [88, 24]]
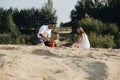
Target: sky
[[63, 7]]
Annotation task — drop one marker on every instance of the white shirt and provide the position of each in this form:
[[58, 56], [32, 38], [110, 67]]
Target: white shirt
[[45, 31]]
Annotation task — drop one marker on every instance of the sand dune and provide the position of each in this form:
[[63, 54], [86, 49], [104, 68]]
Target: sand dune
[[20, 62]]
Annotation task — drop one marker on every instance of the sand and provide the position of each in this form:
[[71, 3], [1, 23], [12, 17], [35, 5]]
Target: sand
[[21, 62]]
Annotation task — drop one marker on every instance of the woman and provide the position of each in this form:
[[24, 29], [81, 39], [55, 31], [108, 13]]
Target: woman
[[83, 41]]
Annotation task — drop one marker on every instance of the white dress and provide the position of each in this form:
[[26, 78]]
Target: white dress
[[84, 43]]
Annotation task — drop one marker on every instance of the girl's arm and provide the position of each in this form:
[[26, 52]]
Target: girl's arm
[[74, 44]]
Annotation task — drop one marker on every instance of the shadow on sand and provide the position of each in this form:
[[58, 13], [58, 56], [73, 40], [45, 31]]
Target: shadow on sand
[[47, 53], [1, 55]]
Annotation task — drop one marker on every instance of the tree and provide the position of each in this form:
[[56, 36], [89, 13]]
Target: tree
[[114, 6], [67, 24], [82, 10], [13, 30], [48, 13], [1, 20]]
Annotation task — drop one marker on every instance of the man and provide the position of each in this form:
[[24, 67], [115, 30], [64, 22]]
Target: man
[[44, 33]]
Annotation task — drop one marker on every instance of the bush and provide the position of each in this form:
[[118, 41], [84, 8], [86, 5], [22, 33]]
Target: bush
[[27, 39], [99, 41], [8, 39], [33, 40], [94, 25], [110, 29], [90, 24], [14, 37], [74, 37], [21, 39], [117, 40], [4, 39]]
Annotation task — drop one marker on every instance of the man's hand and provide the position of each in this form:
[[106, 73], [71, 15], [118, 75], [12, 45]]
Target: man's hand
[[47, 39]]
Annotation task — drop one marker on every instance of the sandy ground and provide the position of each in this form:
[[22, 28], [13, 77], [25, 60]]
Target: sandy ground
[[20, 62]]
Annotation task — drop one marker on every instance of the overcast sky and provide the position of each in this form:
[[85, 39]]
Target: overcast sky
[[63, 7]]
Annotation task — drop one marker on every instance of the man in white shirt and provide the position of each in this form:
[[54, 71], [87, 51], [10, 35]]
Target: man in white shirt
[[44, 33]]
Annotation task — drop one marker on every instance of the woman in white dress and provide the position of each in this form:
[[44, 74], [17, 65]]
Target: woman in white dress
[[83, 41]]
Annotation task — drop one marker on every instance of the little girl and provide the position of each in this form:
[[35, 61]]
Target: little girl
[[56, 39], [83, 41]]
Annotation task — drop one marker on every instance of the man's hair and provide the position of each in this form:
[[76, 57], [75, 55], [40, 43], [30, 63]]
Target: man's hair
[[52, 22]]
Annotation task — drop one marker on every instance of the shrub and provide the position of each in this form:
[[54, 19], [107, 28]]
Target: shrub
[[33, 40], [27, 39], [90, 24], [99, 41], [94, 25], [4, 39], [110, 29], [21, 39], [74, 38], [117, 40]]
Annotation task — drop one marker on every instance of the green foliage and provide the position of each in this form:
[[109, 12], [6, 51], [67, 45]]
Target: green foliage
[[110, 29], [27, 39], [94, 25], [85, 8], [117, 40], [4, 27], [68, 24], [33, 18], [90, 24], [4, 39], [105, 10], [74, 38], [114, 11], [33, 40], [8, 27], [48, 13], [14, 32], [21, 39], [99, 41]]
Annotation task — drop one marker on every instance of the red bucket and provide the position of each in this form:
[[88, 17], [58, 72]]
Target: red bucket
[[52, 44]]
